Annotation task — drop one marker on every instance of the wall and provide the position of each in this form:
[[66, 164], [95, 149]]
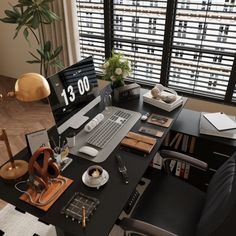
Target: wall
[[14, 52]]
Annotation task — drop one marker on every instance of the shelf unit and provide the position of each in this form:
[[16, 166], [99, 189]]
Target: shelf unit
[[210, 149]]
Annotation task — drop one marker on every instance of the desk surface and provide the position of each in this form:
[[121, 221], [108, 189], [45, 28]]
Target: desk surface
[[188, 123], [113, 195]]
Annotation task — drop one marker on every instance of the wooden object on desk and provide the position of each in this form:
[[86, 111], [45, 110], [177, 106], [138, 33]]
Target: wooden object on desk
[[14, 169], [47, 194], [139, 142]]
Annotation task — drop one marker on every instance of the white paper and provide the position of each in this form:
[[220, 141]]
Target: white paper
[[220, 120]]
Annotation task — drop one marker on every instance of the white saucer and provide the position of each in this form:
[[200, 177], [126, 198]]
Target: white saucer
[[105, 179]]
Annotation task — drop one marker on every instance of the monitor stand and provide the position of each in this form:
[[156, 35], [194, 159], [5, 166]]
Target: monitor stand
[[103, 154]]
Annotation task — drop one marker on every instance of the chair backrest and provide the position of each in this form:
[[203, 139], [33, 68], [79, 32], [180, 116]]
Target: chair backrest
[[219, 213]]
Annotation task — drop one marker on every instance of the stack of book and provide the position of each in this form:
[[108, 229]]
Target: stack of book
[[179, 142], [210, 128]]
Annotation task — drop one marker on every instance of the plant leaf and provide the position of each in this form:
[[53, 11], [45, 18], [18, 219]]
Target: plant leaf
[[33, 62], [26, 34], [34, 22], [57, 51], [26, 2], [8, 20], [53, 15], [16, 33], [34, 56], [47, 46], [46, 18], [11, 14], [41, 53]]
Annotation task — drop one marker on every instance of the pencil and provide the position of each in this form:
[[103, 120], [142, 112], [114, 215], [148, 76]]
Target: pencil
[[83, 217]]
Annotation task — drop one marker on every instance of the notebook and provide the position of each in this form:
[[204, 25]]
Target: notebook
[[220, 121]]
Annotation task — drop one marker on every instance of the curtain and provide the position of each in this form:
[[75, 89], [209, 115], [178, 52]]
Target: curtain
[[64, 32]]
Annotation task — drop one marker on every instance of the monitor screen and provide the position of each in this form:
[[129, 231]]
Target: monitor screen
[[74, 91]]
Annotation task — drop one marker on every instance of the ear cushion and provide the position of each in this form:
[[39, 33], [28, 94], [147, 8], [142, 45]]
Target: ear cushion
[[53, 169], [41, 167]]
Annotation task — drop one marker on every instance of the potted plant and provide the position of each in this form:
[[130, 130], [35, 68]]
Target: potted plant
[[116, 69], [30, 16]]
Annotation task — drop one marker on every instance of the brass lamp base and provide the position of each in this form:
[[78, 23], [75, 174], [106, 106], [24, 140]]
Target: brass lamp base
[[7, 172]]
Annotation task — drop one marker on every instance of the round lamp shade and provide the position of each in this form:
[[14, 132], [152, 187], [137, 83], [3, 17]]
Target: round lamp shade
[[31, 87]]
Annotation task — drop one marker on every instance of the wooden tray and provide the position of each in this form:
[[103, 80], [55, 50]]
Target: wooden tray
[[47, 194]]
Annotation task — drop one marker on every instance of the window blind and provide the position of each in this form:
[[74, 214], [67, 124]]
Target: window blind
[[90, 15], [138, 31], [203, 48], [188, 45]]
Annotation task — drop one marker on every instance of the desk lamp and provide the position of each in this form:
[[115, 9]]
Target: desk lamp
[[28, 88]]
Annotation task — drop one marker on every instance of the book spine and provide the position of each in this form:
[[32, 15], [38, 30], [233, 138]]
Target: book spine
[[192, 145], [178, 141], [185, 143], [186, 172], [182, 169], [174, 139], [172, 165], [166, 140], [178, 168]]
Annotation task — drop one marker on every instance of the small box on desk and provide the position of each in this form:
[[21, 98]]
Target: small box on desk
[[147, 97], [126, 92]]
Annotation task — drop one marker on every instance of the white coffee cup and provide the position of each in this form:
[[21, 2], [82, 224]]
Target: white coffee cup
[[95, 175]]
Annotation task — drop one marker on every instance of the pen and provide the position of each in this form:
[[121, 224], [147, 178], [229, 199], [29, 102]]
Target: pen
[[83, 217], [122, 169], [59, 143]]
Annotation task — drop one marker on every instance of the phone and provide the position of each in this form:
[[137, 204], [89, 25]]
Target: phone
[[151, 131]]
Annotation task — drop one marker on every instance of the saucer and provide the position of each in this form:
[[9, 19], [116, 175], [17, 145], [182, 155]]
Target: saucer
[[105, 179]]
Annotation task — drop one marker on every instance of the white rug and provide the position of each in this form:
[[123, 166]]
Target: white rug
[[15, 223]]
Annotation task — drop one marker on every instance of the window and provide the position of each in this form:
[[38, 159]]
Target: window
[[188, 45], [142, 37], [90, 16], [203, 48]]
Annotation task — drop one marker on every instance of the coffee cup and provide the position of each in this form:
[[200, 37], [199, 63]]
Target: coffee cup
[[95, 175]]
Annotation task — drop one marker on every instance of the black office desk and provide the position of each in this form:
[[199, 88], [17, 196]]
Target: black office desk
[[113, 195]]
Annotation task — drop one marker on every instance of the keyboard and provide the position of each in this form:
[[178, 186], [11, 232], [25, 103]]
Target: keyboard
[[106, 130]]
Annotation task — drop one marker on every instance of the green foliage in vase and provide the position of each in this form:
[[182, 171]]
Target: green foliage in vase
[[116, 69], [30, 16]]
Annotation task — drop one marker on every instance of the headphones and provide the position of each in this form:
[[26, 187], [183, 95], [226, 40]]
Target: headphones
[[41, 168], [157, 93]]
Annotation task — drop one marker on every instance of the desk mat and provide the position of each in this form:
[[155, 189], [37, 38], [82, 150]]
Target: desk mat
[[47, 194]]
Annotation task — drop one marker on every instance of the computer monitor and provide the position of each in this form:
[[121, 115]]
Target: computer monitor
[[74, 92]]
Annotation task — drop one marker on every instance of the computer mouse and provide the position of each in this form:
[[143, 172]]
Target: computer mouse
[[89, 151]]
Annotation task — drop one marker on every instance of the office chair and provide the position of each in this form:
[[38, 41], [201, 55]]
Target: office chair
[[170, 206]]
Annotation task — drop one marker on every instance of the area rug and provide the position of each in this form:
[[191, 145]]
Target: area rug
[[15, 223]]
